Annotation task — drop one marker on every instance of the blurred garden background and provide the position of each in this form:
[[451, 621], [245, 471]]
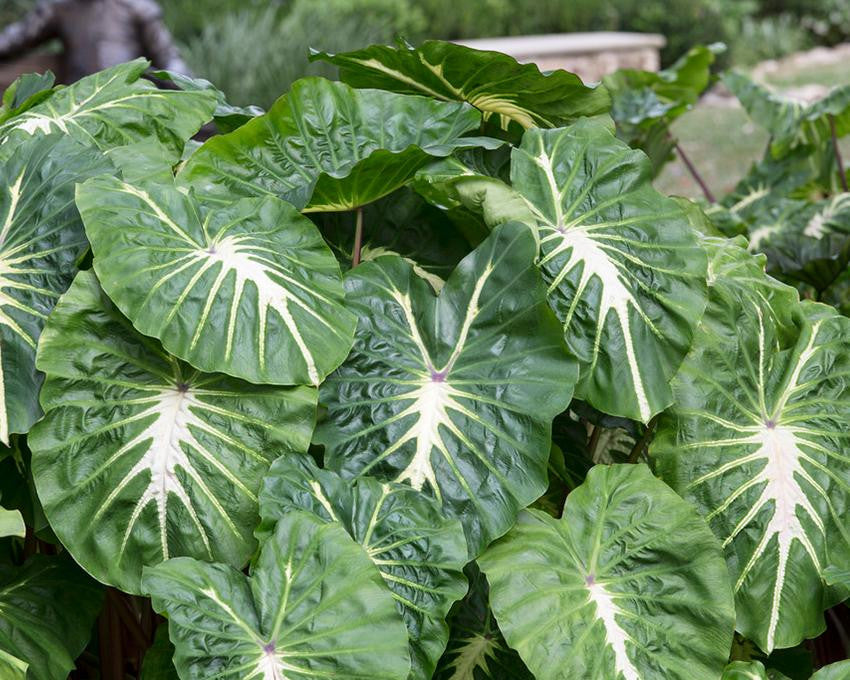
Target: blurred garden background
[[254, 49]]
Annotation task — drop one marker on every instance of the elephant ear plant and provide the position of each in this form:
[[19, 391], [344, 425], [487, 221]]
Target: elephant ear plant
[[415, 376]]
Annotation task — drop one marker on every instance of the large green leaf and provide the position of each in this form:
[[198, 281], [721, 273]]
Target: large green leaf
[[41, 237], [140, 457], [116, 107], [419, 553], [791, 122], [249, 288], [328, 147], [645, 103], [314, 607], [757, 441], [839, 670], [496, 84], [625, 274], [628, 583], [477, 650], [47, 609], [424, 397]]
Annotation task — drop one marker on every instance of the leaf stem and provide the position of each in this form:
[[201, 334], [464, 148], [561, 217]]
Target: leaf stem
[[593, 442], [358, 238], [842, 175], [641, 443], [694, 173]]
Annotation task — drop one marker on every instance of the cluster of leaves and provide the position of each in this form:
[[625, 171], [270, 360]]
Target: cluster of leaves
[[544, 425]]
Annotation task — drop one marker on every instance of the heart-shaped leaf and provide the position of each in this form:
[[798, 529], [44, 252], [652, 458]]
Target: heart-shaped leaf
[[625, 274], [629, 583], [756, 441], [419, 553], [496, 84], [328, 147], [314, 607], [423, 398], [117, 107], [249, 288], [41, 238], [140, 457], [47, 609]]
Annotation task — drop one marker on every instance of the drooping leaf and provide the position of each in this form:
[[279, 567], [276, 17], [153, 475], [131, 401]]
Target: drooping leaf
[[629, 583], [324, 146], [115, 107], [496, 84], [419, 553], [424, 399], [477, 650], [27, 91], [227, 117], [625, 274], [314, 607], [41, 237], [140, 457], [47, 609], [248, 288], [756, 441], [791, 122], [158, 664]]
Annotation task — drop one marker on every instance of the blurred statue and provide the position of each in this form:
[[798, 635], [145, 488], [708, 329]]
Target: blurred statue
[[96, 34]]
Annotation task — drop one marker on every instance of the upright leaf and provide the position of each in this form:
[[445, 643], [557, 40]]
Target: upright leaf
[[47, 609], [140, 457], [756, 440], [425, 399], [496, 84], [629, 583], [419, 553], [625, 274], [314, 607], [328, 147], [249, 288], [27, 91], [41, 238], [116, 107]]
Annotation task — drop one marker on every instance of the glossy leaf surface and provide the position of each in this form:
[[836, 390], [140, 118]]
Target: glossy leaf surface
[[141, 457], [314, 607], [629, 583], [424, 399], [248, 289], [756, 441]]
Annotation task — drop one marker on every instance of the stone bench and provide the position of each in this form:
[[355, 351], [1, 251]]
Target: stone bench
[[590, 55]]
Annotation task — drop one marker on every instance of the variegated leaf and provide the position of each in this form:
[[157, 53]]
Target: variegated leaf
[[313, 607], [757, 440], [249, 288], [139, 456], [41, 238], [425, 399], [628, 584], [625, 274], [116, 107]]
